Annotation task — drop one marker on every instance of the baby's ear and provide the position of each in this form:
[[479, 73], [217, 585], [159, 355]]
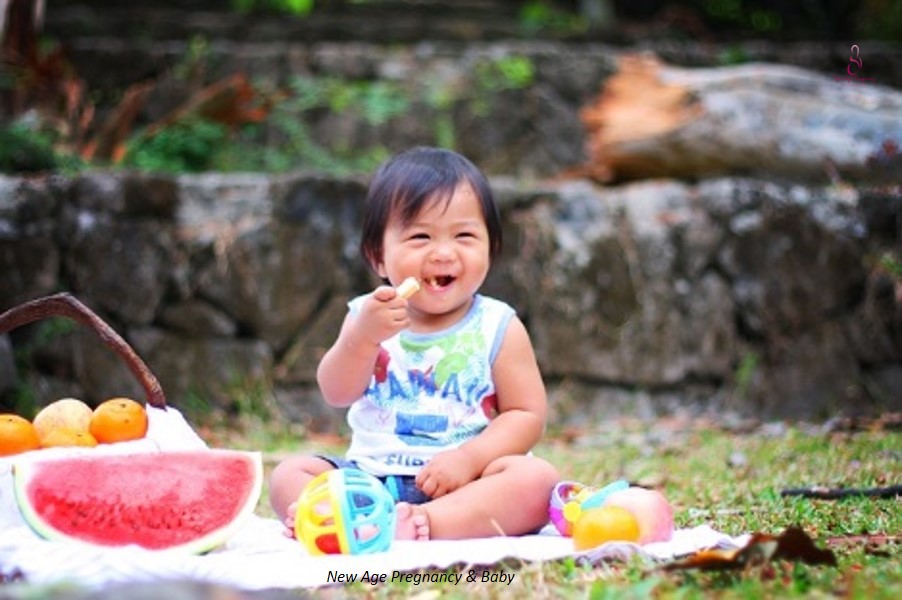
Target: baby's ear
[[379, 268], [375, 263]]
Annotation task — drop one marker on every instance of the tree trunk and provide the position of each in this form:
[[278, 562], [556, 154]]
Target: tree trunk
[[655, 120]]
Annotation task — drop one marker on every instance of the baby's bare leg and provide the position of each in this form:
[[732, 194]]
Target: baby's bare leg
[[511, 498], [289, 479]]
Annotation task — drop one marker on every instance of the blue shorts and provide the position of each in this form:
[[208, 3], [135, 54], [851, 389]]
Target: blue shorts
[[403, 488]]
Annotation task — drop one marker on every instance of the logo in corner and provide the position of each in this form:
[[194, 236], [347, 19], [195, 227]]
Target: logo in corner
[[854, 68]]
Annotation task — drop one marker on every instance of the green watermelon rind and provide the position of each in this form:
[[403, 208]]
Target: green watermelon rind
[[24, 471]]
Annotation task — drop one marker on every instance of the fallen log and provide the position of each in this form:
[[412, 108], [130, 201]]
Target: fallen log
[[656, 120]]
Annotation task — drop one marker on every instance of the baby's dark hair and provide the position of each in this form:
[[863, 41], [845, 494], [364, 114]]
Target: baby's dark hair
[[412, 179]]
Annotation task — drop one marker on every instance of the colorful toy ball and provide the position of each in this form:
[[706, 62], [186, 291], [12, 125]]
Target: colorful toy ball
[[345, 511]]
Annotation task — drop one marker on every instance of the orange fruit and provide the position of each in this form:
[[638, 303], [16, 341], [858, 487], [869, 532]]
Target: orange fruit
[[63, 437], [118, 420], [67, 413], [17, 434], [604, 524]]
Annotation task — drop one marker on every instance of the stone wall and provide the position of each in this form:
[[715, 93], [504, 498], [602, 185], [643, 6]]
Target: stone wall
[[741, 295]]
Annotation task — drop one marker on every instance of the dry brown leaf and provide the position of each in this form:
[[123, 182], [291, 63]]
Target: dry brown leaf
[[792, 545]]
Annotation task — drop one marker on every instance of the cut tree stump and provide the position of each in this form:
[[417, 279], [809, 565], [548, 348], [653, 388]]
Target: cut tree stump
[[656, 120]]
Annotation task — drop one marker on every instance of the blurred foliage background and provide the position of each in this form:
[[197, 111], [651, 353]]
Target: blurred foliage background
[[54, 118], [799, 19]]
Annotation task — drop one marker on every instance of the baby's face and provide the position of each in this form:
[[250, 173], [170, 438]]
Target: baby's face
[[446, 247]]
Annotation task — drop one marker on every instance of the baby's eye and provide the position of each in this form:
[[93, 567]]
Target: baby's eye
[[418, 236], [466, 234]]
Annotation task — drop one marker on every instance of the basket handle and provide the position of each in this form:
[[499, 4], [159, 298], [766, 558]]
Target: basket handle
[[66, 305]]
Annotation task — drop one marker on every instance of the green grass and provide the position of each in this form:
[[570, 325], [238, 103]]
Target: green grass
[[731, 481]]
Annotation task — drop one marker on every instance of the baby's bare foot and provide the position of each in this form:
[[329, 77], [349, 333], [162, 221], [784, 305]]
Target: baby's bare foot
[[289, 520], [412, 522]]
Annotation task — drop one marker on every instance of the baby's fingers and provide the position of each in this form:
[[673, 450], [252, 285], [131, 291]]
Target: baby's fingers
[[384, 293], [425, 482], [431, 484]]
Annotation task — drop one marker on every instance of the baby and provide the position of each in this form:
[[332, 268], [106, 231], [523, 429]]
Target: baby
[[445, 399]]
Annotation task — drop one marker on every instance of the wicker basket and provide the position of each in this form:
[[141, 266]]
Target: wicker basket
[[66, 305]]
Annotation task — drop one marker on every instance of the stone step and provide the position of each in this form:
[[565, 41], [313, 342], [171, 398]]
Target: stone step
[[380, 22]]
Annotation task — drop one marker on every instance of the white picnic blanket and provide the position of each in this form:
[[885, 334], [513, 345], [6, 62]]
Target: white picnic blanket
[[261, 557]]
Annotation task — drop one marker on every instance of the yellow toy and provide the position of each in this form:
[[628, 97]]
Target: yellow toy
[[569, 499]]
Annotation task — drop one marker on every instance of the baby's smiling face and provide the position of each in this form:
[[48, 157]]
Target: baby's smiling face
[[446, 247]]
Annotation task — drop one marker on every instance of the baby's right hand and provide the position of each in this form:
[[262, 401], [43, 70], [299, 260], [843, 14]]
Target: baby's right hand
[[382, 315]]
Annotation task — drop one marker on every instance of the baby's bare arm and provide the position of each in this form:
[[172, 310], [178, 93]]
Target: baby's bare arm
[[522, 403], [347, 367]]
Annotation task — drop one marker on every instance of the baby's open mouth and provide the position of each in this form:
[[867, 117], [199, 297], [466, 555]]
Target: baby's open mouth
[[439, 281]]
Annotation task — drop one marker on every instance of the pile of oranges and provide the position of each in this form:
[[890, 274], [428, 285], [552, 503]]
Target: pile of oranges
[[71, 422]]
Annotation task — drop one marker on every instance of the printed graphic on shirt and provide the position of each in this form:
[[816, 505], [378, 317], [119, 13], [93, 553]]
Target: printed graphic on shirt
[[453, 368], [428, 393], [416, 429], [446, 379]]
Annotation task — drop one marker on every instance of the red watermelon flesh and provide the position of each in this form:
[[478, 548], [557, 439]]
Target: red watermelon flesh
[[191, 501]]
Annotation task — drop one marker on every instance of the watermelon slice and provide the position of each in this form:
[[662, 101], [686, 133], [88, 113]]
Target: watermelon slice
[[190, 501]]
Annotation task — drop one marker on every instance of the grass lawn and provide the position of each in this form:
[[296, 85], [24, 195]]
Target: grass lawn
[[730, 478]]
